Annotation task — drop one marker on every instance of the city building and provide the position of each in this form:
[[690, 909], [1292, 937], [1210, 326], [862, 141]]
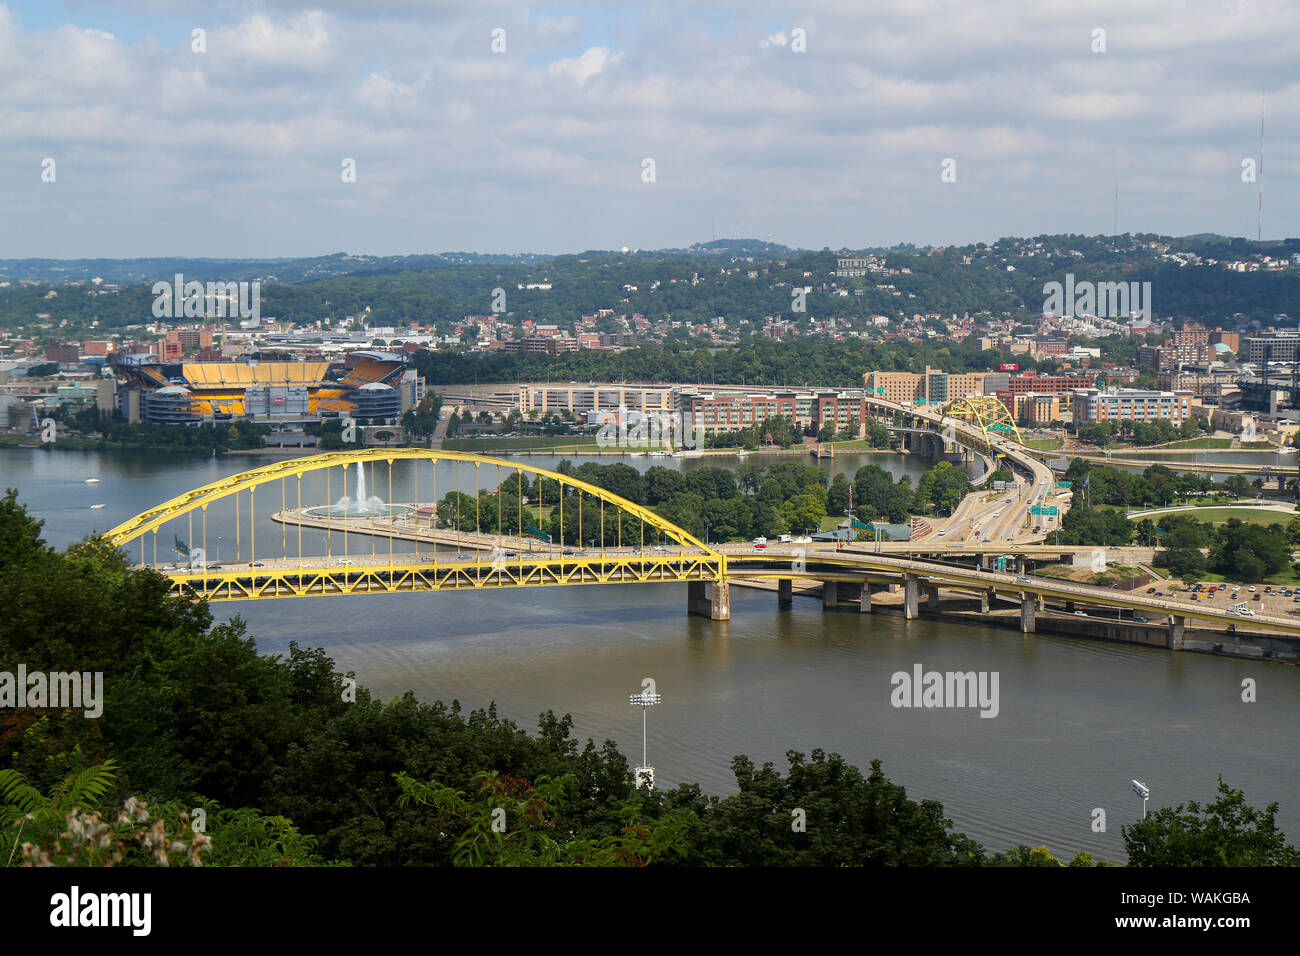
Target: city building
[[1130, 404], [1033, 408], [902, 388], [1270, 347]]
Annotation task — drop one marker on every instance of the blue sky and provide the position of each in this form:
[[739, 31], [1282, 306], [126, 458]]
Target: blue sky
[[238, 150]]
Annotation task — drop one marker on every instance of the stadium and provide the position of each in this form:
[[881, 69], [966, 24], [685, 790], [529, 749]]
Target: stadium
[[372, 385]]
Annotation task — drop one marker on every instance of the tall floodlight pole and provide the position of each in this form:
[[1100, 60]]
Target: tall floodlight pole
[[1143, 791], [644, 772]]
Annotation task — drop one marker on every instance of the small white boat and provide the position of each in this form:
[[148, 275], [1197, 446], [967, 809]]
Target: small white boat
[[95, 507], [91, 481]]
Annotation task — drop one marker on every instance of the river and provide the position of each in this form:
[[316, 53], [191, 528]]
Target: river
[[1077, 719]]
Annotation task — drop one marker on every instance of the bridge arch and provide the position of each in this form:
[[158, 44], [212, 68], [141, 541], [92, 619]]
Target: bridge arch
[[201, 498], [988, 414]]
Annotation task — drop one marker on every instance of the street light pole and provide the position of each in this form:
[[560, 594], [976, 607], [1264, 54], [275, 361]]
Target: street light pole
[[1143, 791], [644, 773]]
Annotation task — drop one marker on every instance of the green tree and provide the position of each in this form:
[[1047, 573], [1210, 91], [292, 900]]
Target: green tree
[[515, 823], [837, 496], [1224, 832]]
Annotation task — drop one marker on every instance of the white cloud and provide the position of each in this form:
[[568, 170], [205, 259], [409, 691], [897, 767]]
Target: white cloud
[[457, 145], [582, 68]]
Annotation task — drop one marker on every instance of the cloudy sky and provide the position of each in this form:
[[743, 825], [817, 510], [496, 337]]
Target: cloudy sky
[[820, 123]]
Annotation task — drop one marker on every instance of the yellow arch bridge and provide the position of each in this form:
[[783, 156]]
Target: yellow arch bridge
[[505, 525], [516, 525]]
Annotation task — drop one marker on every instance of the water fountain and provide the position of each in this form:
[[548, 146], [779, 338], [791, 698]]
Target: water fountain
[[362, 505]]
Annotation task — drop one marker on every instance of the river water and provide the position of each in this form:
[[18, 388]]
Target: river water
[[1077, 720]]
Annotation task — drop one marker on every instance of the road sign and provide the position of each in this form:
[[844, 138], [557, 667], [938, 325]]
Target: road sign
[[999, 486], [1065, 484], [1002, 562], [1035, 510]]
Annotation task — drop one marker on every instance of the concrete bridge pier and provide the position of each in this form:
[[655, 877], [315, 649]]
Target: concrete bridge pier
[[1027, 613], [985, 598], [846, 594], [932, 598], [715, 604], [911, 587], [784, 594], [1177, 627]]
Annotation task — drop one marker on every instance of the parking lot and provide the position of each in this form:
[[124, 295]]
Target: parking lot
[[1260, 598]]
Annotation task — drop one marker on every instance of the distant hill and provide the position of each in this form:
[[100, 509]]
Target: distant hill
[[742, 247], [292, 271]]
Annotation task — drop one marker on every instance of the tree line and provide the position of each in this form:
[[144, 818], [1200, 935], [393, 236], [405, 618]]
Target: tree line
[[755, 499]]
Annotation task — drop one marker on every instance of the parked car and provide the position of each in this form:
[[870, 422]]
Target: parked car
[[1151, 590], [1256, 597]]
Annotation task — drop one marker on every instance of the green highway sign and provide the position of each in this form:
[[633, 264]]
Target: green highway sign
[[1065, 484], [1035, 510]]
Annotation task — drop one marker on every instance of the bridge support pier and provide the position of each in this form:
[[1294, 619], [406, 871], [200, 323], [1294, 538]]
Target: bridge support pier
[[1177, 627], [932, 598], [784, 594], [715, 604], [911, 587], [985, 598], [1020, 564], [1027, 614], [846, 594]]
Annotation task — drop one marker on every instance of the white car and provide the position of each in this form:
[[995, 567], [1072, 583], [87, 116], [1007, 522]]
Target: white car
[[942, 533]]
